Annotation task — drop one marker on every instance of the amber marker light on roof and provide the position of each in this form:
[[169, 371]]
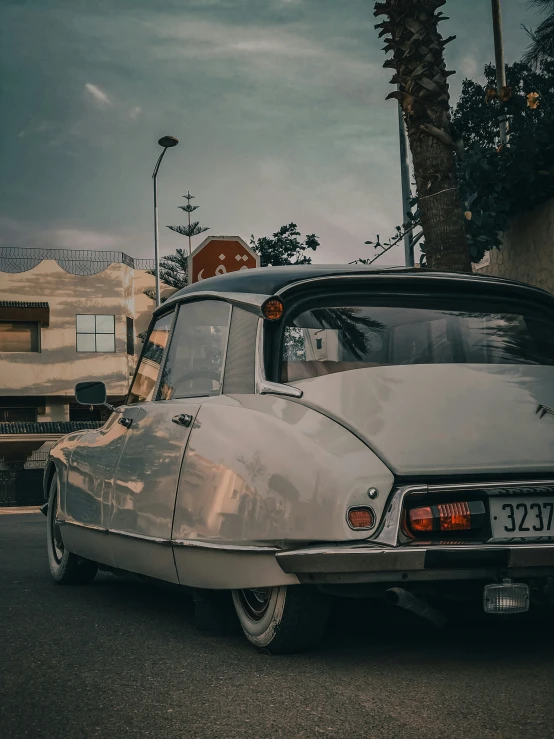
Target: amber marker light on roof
[[273, 309]]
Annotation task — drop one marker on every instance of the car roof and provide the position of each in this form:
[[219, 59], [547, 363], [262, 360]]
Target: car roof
[[266, 281]]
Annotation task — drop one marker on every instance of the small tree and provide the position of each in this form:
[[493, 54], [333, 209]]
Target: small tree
[[191, 229], [174, 269], [284, 247]]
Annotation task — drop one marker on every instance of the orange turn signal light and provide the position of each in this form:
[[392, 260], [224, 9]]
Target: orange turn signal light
[[360, 518], [421, 519], [273, 309]]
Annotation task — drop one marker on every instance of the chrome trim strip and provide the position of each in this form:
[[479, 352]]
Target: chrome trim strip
[[249, 301], [224, 547], [224, 358], [91, 526], [177, 542], [389, 529], [141, 537], [490, 485], [262, 385], [393, 273]]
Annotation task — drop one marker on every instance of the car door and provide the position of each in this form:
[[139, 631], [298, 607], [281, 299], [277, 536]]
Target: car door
[[86, 498], [143, 498]]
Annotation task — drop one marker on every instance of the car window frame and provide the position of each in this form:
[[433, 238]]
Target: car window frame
[[153, 321], [308, 299], [165, 356]]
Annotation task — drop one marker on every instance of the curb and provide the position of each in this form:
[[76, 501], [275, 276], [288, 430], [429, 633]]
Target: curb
[[13, 510]]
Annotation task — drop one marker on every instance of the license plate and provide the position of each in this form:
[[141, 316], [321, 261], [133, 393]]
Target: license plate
[[522, 518]]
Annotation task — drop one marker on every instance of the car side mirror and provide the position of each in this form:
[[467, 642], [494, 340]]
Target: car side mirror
[[91, 393]]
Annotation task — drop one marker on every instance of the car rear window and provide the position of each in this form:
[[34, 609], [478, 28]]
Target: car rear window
[[337, 338]]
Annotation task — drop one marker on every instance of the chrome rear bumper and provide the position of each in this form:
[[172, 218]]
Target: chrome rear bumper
[[366, 563]]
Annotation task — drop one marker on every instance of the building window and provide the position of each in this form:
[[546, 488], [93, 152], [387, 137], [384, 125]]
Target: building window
[[95, 333], [130, 335], [21, 415], [19, 336]]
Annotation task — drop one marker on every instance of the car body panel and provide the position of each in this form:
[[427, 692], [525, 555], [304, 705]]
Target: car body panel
[[261, 469], [445, 419], [225, 569], [143, 496]]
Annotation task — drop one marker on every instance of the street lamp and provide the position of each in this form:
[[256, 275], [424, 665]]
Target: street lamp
[[166, 142]]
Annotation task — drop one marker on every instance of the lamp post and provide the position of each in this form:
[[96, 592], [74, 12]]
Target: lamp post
[[166, 142]]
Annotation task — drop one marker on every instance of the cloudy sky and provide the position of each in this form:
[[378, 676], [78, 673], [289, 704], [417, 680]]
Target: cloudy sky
[[278, 104]]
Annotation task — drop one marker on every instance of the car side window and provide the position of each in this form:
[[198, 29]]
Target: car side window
[[148, 370], [195, 359]]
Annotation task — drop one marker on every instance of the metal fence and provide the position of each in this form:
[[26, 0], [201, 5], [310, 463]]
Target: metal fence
[[75, 261]]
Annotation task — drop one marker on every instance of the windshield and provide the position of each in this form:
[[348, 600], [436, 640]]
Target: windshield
[[337, 339]]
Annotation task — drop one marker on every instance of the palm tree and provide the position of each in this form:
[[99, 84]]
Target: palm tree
[[541, 49], [411, 33]]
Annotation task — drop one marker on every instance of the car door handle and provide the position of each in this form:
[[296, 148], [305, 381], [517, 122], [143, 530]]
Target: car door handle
[[124, 421], [183, 419]]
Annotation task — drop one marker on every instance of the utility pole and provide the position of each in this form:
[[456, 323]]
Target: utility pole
[[406, 192], [499, 61]]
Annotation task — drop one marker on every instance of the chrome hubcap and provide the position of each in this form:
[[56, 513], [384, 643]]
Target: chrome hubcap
[[255, 602]]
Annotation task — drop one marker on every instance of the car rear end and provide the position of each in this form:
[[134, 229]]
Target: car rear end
[[449, 382]]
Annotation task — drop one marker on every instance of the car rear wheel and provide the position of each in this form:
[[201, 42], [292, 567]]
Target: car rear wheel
[[283, 619], [65, 567]]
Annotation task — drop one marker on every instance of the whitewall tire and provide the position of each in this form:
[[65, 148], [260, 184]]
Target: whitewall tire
[[65, 567], [282, 620]]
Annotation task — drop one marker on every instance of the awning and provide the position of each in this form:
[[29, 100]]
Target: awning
[[19, 310]]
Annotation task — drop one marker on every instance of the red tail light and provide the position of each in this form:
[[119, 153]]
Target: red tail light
[[454, 517], [446, 517]]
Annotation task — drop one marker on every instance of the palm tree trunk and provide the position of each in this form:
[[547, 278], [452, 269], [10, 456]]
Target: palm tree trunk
[[411, 31], [439, 205]]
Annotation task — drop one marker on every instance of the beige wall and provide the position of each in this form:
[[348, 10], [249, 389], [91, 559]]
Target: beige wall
[[54, 371], [58, 366], [527, 254]]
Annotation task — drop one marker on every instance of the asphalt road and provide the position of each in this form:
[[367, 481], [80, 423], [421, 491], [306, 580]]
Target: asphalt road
[[120, 659]]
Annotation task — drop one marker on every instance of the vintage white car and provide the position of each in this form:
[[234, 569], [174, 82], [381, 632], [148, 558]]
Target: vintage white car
[[298, 433]]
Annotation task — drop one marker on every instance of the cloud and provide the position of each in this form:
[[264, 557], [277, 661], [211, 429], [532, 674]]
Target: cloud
[[77, 238], [135, 112], [98, 94], [34, 235]]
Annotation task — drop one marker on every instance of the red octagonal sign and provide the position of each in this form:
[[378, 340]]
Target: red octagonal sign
[[218, 255]]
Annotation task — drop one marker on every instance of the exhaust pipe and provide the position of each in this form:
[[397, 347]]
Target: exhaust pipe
[[403, 599]]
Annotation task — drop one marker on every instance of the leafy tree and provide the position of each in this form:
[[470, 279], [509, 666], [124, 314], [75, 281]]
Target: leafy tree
[[480, 106], [498, 182], [191, 229], [411, 34], [284, 247], [541, 49]]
